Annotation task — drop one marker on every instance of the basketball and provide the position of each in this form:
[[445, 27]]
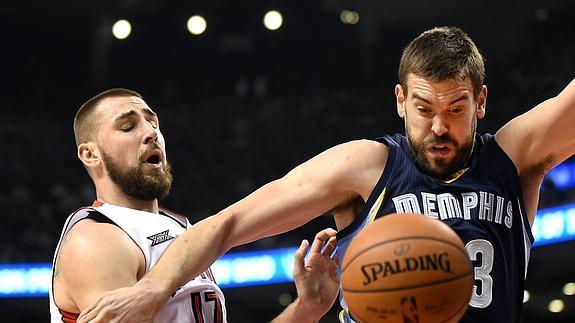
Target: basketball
[[406, 268]]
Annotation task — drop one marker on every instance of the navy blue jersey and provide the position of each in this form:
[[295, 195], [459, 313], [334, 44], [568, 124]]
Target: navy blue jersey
[[483, 203]]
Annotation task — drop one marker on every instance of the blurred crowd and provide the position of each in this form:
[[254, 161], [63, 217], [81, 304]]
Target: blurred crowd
[[222, 147]]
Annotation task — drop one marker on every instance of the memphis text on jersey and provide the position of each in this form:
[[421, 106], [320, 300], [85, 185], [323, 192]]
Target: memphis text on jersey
[[488, 206]]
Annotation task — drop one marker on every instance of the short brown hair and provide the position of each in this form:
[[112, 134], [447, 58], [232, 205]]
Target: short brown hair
[[440, 54], [84, 126]]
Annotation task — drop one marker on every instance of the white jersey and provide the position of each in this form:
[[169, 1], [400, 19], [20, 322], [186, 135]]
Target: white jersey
[[198, 301]]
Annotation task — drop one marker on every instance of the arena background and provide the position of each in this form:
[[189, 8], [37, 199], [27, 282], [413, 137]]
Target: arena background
[[241, 105]]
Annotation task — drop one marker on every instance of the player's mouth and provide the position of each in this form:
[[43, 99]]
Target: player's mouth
[[440, 150], [153, 158]]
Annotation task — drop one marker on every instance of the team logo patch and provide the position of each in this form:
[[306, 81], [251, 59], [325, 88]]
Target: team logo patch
[[160, 237]]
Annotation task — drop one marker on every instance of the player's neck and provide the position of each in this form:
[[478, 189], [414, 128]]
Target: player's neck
[[117, 197]]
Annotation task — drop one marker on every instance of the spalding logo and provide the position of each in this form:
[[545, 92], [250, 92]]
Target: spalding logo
[[434, 262]]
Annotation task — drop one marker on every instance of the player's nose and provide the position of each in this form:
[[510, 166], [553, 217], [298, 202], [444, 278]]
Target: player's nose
[[438, 126], [151, 134]]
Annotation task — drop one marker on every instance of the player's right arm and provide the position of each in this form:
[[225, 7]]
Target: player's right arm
[[315, 187], [94, 258]]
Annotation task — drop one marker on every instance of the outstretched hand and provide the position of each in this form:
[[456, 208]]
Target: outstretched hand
[[316, 278], [127, 305]]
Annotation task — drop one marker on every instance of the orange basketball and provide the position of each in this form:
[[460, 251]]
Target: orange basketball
[[406, 268]]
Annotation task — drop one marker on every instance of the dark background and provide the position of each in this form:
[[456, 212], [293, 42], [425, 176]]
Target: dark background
[[241, 106]]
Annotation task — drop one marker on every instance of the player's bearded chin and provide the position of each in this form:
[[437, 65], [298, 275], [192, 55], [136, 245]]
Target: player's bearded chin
[[439, 167], [135, 183]]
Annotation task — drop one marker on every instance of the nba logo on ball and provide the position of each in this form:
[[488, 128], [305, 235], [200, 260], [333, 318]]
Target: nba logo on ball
[[409, 310], [406, 268]]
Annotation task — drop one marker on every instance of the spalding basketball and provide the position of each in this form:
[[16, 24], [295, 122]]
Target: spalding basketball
[[406, 268]]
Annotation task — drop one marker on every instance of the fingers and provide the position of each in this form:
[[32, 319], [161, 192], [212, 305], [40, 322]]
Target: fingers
[[88, 313], [298, 267], [320, 238], [329, 248]]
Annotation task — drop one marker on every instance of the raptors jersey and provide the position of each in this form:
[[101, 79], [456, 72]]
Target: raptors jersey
[[200, 300], [483, 203]]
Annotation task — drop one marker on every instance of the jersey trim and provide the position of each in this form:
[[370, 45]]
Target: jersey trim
[[375, 198], [526, 238], [505, 159], [99, 217], [455, 176], [180, 219], [68, 317], [375, 209]]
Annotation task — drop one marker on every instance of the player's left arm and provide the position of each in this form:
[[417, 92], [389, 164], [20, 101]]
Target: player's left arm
[[541, 138]]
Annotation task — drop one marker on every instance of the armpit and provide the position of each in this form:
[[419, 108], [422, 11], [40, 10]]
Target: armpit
[[345, 213]]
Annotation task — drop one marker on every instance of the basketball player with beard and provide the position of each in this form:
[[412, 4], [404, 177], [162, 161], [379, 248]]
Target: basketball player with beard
[[118, 239], [485, 187]]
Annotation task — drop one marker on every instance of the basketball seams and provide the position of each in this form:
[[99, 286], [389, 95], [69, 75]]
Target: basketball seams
[[408, 287], [344, 268]]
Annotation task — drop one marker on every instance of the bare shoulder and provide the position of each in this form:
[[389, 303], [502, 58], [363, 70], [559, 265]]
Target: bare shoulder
[[358, 164], [364, 155], [93, 258], [88, 238], [368, 151]]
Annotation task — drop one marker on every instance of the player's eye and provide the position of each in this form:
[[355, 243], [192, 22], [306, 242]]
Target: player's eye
[[127, 127]]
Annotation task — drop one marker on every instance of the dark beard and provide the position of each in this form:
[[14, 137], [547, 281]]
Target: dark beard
[[134, 183], [442, 169]]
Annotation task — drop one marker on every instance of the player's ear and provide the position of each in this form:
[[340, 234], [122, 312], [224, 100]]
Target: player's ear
[[400, 100], [481, 102], [89, 154]]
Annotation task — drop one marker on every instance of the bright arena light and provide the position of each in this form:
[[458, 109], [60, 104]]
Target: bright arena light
[[526, 296], [197, 25], [569, 289], [273, 20], [556, 306], [349, 17], [122, 29]]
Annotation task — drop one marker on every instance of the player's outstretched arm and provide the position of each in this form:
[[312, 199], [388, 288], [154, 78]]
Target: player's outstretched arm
[[315, 279], [342, 173], [542, 134], [539, 140]]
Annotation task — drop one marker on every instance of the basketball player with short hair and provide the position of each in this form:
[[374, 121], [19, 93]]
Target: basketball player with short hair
[[118, 239], [485, 187]]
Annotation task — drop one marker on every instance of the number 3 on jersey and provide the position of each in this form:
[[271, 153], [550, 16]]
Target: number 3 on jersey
[[483, 294]]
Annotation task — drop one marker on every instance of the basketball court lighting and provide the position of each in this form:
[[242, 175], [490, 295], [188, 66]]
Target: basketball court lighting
[[569, 289], [122, 29], [197, 25], [556, 306], [349, 17], [273, 20], [526, 296]]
